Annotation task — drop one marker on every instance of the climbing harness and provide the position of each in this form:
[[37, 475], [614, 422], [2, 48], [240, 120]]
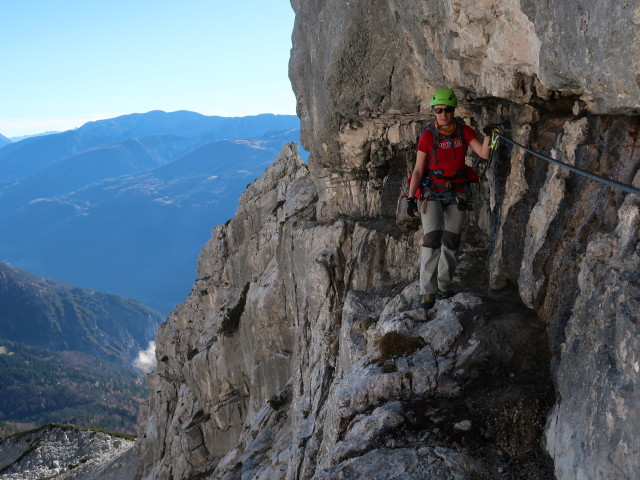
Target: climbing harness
[[607, 181], [447, 196], [436, 178]]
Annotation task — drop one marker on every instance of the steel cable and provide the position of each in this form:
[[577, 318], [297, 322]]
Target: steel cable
[[613, 183], [598, 178]]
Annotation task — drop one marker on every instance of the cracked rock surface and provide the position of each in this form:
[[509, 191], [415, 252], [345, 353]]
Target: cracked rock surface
[[369, 381], [300, 352], [66, 453]]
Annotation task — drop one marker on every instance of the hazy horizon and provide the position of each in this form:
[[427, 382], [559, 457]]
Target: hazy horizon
[[53, 132], [73, 62]]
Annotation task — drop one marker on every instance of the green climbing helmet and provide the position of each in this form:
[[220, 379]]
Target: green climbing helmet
[[444, 96]]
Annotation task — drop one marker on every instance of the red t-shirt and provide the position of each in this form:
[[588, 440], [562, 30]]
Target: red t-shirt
[[449, 160]]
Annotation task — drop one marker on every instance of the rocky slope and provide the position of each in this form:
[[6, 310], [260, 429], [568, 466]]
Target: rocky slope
[[323, 365], [66, 453], [299, 353]]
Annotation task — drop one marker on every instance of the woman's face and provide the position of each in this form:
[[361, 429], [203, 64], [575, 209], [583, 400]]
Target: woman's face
[[445, 118]]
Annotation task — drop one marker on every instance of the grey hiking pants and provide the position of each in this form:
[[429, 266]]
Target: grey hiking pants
[[441, 227]]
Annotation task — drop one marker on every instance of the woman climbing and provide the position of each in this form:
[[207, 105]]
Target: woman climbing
[[440, 174]]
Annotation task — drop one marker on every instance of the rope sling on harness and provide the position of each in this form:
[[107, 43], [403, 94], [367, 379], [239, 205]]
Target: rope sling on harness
[[607, 181]]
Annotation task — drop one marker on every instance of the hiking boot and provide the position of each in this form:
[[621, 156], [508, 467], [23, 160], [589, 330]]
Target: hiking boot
[[428, 301], [446, 293]]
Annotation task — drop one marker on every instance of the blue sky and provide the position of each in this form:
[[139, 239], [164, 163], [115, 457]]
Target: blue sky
[[68, 62]]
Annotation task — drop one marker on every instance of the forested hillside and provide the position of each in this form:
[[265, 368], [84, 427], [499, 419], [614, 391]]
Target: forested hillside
[[42, 386], [49, 314]]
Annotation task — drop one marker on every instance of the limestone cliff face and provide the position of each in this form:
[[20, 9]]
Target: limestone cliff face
[[551, 72], [300, 353]]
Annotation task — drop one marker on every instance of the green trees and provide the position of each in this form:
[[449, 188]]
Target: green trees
[[42, 386]]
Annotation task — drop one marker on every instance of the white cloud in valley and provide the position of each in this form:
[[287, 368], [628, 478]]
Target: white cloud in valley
[[146, 359]]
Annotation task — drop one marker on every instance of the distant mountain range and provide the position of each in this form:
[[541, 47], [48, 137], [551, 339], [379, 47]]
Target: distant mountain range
[[125, 205], [4, 141], [44, 313]]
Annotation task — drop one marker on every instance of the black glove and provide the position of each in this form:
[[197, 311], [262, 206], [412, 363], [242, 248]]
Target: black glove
[[491, 128], [412, 206], [462, 204]]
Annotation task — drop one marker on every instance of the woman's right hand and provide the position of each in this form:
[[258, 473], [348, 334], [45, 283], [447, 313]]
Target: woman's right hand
[[412, 206]]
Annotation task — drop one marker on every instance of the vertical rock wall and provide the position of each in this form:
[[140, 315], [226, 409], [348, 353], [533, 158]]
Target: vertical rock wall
[[215, 384], [214, 369], [563, 77]]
